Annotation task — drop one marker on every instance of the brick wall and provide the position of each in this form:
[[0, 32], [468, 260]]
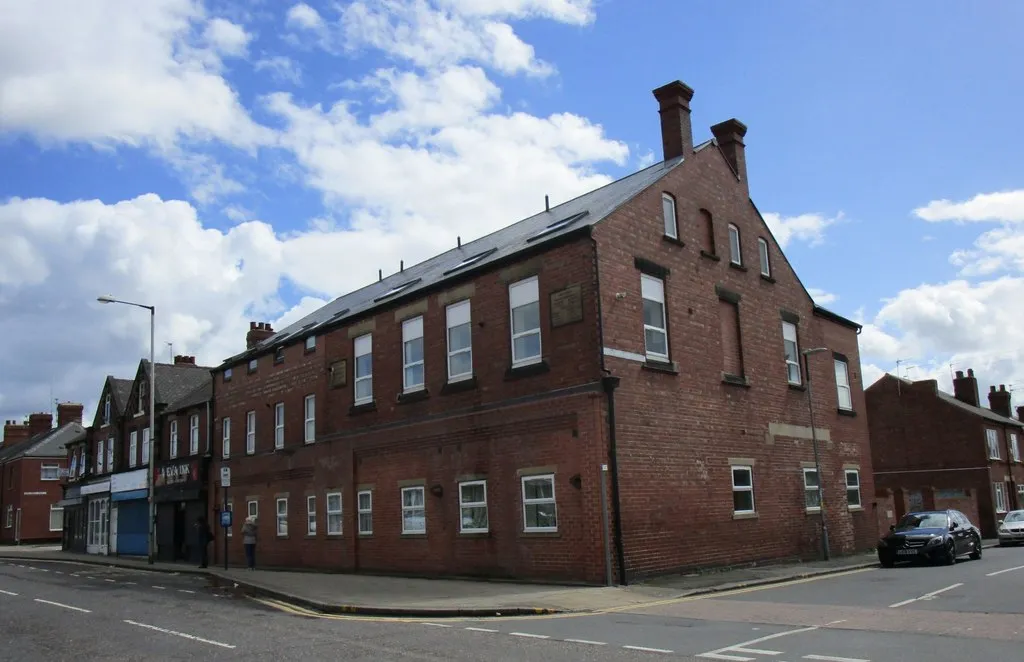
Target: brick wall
[[33, 496], [678, 433], [183, 420]]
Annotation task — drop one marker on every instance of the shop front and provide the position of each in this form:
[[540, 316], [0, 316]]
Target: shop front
[[97, 504], [129, 513], [180, 495], [75, 520]]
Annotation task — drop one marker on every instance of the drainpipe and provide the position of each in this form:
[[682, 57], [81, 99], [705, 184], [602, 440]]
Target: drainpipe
[[609, 383]]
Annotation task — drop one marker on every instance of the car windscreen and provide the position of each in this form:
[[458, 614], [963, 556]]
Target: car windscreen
[[1015, 516], [923, 521]]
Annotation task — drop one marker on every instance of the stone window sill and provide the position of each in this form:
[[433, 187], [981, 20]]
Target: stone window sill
[[735, 380], [540, 534], [364, 408], [710, 256], [797, 387], [673, 240], [415, 535], [667, 367], [738, 267], [413, 396], [767, 279], [846, 412], [459, 386], [744, 515], [529, 370]]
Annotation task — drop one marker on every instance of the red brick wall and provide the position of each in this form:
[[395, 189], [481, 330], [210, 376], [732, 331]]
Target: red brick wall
[[677, 432], [33, 496], [183, 419], [501, 425]]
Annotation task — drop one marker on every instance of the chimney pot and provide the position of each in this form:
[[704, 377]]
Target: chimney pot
[[959, 374], [1002, 387], [252, 325], [965, 389], [999, 401], [258, 332], [674, 109], [970, 372], [729, 135], [992, 389]]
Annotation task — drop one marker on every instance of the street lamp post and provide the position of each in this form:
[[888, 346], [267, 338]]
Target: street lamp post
[[817, 461], [150, 534]]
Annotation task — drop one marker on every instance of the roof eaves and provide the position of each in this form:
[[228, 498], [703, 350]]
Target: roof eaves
[[836, 317]]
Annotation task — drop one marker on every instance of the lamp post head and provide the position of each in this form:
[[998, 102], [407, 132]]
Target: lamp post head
[[106, 298]]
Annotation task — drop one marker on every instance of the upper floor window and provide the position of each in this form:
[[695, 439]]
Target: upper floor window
[[250, 432], [73, 467], [99, 456], [792, 352], [110, 454], [106, 409], [993, 444], [49, 472], [762, 253], [735, 256], [524, 305], [225, 442], [668, 211], [145, 445], [655, 328], [253, 364], [142, 397], [279, 425], [310, 412], [363, 369], [843, 385], [279, 355], [227, 374], [1014, 447], [174, 439], [193, 434], [460, 341], [412, 355], [133, 448], [310, 343]]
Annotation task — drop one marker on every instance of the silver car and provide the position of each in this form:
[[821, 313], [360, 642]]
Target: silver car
[[1011, 528]]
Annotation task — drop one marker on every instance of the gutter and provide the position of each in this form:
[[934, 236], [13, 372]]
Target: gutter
[[609, 383]]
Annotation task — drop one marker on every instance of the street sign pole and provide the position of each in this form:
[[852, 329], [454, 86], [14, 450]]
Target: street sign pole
[[225, 515]]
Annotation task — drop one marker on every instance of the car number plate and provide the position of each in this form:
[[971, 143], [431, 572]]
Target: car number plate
[[907, 552]]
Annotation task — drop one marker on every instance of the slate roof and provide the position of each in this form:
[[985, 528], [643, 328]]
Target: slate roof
[[175, 381], [121, 389], [200, 395], [987, 414], [45, 444], [585, 210]]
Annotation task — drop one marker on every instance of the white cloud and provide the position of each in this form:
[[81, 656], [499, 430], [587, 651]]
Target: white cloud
[[305, 17], [809, 228], [579, 12], [118, 72], [282, 69], [821, 297], [1005, 206], [226, 37]]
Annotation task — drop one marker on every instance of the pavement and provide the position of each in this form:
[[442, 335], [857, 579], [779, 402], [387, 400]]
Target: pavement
[[64, 610]]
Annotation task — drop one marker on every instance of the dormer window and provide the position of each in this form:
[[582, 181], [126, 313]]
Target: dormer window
[[668, 211]]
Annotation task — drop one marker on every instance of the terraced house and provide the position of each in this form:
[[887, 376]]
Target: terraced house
[[627, 361]]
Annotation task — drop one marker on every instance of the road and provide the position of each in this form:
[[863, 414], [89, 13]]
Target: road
[[57, 611]]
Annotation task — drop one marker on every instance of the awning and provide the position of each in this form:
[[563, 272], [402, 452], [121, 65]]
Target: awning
[[64, 503], [130, 495]]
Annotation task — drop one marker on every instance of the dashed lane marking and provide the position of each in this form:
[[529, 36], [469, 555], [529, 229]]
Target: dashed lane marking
[[180, 634], [160, 588], [529, 635], [647, 649], [589, 642], [438, 625], [724, 653], [999, 572], [61, 604], [926, 596], [481, 630], [8, 592], [182, 590], [110, 580]]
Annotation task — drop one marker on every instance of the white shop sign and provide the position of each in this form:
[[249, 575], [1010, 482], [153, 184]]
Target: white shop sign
[[96, 488], [131, 480]]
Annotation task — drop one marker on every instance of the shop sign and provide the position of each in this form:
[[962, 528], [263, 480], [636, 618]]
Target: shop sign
[[177, 473], [96, 488], [129, 481]]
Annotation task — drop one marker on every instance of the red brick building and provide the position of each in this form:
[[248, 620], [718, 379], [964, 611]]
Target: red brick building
[[459, 416], [32, 463], [935, 450]]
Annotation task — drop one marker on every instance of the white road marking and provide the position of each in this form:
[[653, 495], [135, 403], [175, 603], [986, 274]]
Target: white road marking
[[481, 630], [999, 572], [180, 634], [161, 588], [59, 572], [754, 651], [109, 580], [586, 641], [60, 604], [648, 650], [8, 592], [129, 583], [529, 635], [43, 569], [438, 625], [181, 590], [926, 596], [722, 653], [833, 658]]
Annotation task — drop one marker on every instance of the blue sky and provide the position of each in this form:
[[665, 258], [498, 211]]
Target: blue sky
[[251, 160]]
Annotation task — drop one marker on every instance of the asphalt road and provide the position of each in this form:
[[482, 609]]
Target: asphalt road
[[909, 613]]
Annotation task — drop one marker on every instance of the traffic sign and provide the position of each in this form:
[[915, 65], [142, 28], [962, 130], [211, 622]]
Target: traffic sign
[[226, 517], [225, 476]]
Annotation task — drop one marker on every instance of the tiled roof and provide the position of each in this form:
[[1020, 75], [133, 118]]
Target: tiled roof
[[121, 389], [45, 444], [175, 381], [198, 396], [586, 210], [980, 411]]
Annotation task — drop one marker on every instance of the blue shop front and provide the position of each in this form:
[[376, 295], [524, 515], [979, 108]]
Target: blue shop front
[[129, 513]]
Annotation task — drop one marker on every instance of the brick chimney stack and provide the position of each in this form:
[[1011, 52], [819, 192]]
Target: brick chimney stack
[[999, 401], [14, 433], [729, 135], [69, 412], [1020, 412], [258, 332], [674, 108], [186, 360], [965, 389], [38, 423]]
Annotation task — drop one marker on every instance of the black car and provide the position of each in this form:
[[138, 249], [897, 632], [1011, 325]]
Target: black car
[[934, 535]]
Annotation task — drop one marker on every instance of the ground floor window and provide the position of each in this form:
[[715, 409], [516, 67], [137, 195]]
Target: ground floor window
[[9, 517], [56, 518], [540, 512], [473, 506], [97, 535], [853, 488], [743, 489], [282, 516], [365, 508], [414, 513]]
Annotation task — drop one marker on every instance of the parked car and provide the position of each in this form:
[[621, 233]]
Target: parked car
[[1011, 528], [934, 535]]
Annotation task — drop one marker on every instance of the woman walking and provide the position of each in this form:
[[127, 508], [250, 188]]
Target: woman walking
[[249, 541]]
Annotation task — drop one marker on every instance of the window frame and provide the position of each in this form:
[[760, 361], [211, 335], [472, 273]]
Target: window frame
[[412, 331], [357, 378], [100, 456], [812, 489], [796, 360], [408, 509], [360, 512], [309, 344], [671, 225], [527, 292], [846, 477], [49, 465], [193, 434], [133, 449], [309, 414], [225, 437], [735, 251], [999, 489], [992, 441], [656, 285], [310, 514], [56, 509], [110, 453], [455, 310], [763, 257], [473, 505], [743, 488], [106, 409], [553, 500], [337, 513], [147, 446], [281, 518], [250, 510], [174, 439], [1014, 447], [250, 432], [836, 362], [278, 425], [253, 365]]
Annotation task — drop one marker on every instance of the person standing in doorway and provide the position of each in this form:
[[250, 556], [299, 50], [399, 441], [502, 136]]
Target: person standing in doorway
[[203, 538], [249, 541]]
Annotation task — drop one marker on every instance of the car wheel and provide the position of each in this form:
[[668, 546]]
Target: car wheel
[[887, 563], [976, 554], [950, 558]]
